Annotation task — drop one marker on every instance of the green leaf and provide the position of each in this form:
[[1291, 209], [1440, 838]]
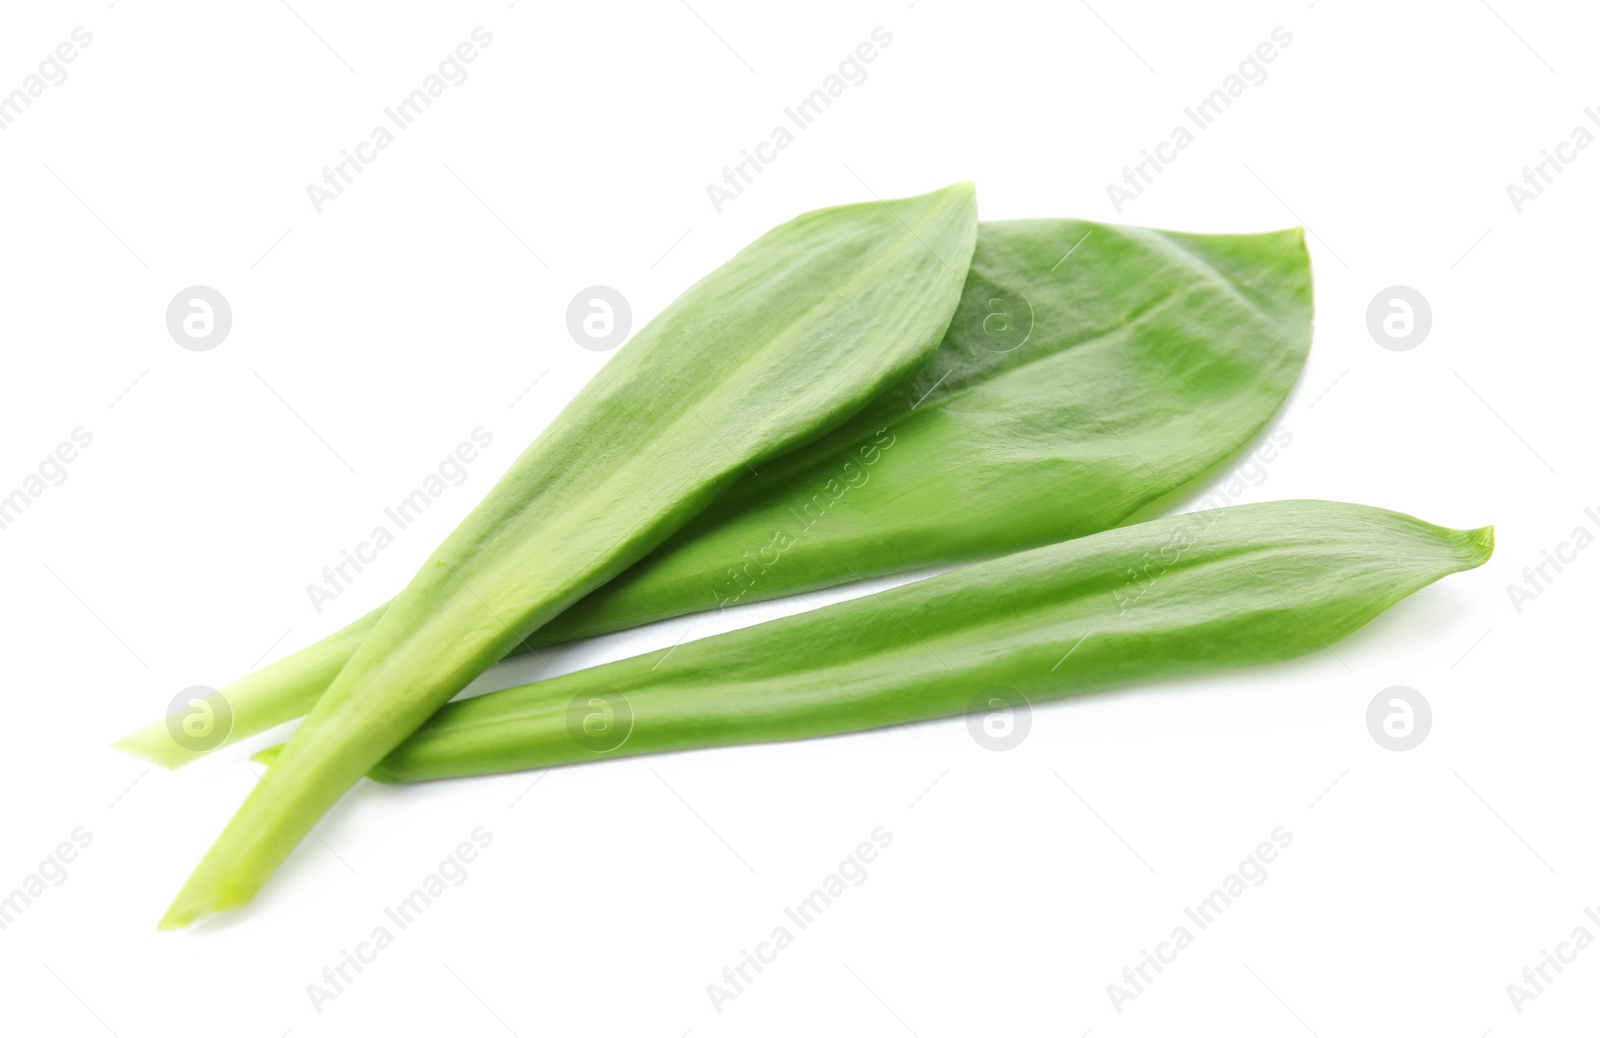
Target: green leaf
[[774, 349], [1090, 371], [1195, 592], [1069, 394]]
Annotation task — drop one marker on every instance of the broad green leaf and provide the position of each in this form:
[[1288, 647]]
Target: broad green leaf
[[774, 349], [1089, 371]]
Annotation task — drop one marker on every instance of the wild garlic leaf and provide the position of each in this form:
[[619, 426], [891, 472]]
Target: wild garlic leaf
[[1195, 592], [777, 347]]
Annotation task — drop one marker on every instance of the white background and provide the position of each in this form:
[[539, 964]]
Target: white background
[[370, 339]]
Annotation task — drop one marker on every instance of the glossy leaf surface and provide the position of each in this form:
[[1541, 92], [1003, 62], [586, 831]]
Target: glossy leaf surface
[[1196, 592]]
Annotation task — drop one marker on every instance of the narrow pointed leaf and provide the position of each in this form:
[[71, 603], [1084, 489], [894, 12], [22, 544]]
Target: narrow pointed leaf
[[1196, 592], [777, 347]]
